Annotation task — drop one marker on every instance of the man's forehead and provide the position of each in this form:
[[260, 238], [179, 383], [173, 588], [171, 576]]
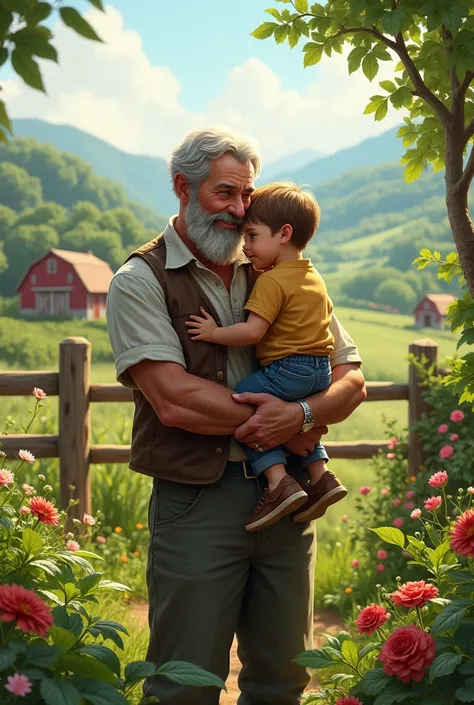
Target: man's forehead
[[231, 173]]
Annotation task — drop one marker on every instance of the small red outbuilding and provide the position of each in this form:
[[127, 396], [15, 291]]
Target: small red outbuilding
[[431, 310], [65, 284]]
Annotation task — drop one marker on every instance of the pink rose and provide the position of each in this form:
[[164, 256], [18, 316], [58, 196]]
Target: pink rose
[[416, 514], [72, 546], [355, 563], [446, 452], [410, 494], [393, 442], [38, 393], [409, 505], [397, 502], [399, 522], [438, 479], [456, 415], [470, 490], [407, 652], [384, 491], [365, 489], [415, 593], [391, 456], [454, 437], [382, 554], [443, 428], [433, 503], [101, 539], [380, 568]]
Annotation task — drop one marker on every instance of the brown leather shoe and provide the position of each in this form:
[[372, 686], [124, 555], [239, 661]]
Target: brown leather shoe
[[284, 499], [328, 490]]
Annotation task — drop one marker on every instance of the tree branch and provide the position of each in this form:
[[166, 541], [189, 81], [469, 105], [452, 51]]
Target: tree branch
[[467, 81], [468, 132], [462, 186]]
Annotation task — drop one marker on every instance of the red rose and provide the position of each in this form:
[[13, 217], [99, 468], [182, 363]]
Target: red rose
[[349, 700], [371, 618], [407, 652], [414, 594]]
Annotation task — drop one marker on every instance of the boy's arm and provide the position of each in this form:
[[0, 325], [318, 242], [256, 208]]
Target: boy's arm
[[240, 334]]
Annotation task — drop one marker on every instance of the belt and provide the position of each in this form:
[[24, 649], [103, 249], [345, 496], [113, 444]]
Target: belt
[[241, 468]]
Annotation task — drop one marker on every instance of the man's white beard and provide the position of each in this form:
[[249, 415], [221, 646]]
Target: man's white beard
[[218, 245]]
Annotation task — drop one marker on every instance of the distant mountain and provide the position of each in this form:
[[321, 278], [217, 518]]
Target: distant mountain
[[286, 165], [145, 179], [373, 151]]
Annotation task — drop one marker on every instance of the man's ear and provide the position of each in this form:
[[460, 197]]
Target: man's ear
[[286, 233], [181, 189]]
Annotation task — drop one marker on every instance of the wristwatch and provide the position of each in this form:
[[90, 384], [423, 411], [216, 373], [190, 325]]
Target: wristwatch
[[308, 421]]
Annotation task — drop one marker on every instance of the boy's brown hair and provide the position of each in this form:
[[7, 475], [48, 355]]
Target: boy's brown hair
[[284, 202]]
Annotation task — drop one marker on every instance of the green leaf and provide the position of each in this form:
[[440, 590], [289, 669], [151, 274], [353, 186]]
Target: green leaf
[[98, 693], [7, 658], [466, 693], [3, 55], [137, 670], [350, 652], [59, 692], [38, 12], [27, 69], [103, 654], [42, 656], [62, 637], [281, 33], [381, 111], [374, 681], [312, 54], [390, 535], [293, 36], [392, 21], [188, 674], [388, 86], [370, 66], [315, 658], [451, 616], [4, 119], [32, 542], [301, 6], [86, 666], [444, 665], [265, 30], [415, 168], [464, 637], [98, 4], [71, 18], [33, 41], [393, 693]]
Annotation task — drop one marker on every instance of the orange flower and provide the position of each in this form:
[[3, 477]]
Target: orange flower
[[137, 553], [348, 590], [118, 529], [413, 478], [124, 559], [44, 510], [138, 525]]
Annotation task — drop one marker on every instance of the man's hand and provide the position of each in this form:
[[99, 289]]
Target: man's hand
[[274, 422], [202, 327], [303, 443]]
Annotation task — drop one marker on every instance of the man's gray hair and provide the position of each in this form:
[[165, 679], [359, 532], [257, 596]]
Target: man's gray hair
[[192, 156]]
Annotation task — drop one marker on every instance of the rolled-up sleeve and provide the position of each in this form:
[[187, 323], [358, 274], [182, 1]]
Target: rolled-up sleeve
[[138, 323], [345, 350]]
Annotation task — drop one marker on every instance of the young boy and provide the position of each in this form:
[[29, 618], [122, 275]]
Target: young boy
[[289, 319]]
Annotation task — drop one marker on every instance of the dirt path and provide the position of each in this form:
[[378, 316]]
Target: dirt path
[[323, 622]]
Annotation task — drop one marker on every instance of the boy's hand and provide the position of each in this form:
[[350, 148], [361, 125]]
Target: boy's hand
[[201, 327]]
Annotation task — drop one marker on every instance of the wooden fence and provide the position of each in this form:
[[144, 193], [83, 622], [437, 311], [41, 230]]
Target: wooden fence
[[73, 443]]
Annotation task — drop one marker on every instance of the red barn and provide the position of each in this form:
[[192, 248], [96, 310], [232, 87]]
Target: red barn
[[431, 310], [65, 284]]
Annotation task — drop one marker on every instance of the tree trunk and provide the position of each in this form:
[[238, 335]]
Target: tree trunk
[[457, 206]]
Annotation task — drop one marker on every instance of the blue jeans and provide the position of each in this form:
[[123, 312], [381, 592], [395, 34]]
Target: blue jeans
[[291, 378]]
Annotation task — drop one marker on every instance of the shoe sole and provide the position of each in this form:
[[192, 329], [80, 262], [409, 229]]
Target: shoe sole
[[316, 511], [289, 505]]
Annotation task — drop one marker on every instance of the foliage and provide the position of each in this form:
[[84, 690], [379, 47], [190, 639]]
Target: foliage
[[25, 37], [52, 645], [418, 639], [398, 294]]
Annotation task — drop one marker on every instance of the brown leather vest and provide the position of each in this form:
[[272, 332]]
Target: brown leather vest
[[167, 452]]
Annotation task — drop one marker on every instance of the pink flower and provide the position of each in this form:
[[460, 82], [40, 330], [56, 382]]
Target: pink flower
[[462, 534], [380, 568], [407, 652], [410, 494], [433, 503], [393, 442], [28, 489], [438, 479], [25, 510], [6, 477], [384, 491], [355, 563], [26, 456], [416, 514], [456, 415], [470, 490], [397, 502], [365, 489], [101, 539], [382, 554], [399, 522], [24, 606], [446, 452], [371, 618], [349, 700], [88, 520], [454, 437], [443, 428], [39, 394], [18, 685], [409, 505], [390, 456], [72, 546], [415, 593]]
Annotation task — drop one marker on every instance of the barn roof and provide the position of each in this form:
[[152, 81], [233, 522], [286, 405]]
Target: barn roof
[[94, 273], [441, 302]]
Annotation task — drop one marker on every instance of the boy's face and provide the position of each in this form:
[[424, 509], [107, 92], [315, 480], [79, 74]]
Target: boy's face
[[261, 246]]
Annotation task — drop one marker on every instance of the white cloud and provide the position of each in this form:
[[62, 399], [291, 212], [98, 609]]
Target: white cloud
[[113, 91]]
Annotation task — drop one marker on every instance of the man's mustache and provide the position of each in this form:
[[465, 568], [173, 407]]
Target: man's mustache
[[226, 218]]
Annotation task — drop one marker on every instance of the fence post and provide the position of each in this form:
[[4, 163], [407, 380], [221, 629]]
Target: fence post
[[428, 349], [74, 423]]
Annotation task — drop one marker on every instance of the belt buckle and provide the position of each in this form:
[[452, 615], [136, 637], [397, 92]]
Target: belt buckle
[[246, 475]]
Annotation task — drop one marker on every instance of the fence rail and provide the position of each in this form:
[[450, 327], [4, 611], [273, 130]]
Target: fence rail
[[73, 443]]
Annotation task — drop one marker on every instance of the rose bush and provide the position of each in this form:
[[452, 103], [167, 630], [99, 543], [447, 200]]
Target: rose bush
[[415, 644], [53, 650]]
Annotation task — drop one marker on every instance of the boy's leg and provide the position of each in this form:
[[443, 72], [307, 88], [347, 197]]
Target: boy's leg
[[324, 488]]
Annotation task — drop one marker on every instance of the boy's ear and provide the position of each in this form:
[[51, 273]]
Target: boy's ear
[[286, 233]]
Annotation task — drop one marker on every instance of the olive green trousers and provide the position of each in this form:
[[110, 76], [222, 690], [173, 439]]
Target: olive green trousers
[[209, 579]]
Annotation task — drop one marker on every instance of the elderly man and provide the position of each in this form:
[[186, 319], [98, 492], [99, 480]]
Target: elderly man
[[209, 579]]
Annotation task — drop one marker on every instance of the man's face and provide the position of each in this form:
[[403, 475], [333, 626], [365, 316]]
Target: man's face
[[215, 212]]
